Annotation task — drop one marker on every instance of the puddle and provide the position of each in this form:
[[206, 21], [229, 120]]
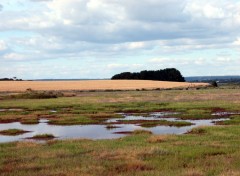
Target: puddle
[[43, 121], [13, 110], [53, 111], [225, 113], [100, 131], [152, 116]]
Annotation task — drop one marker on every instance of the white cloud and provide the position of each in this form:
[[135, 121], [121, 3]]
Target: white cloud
[[104, 31], [13, 56], [160, 60], [204, 62], [3, 45], [129, 67], [237, 42], [205, 9], [136, 45], [104, 21]]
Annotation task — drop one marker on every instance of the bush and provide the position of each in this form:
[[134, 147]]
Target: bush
[[214, 84]]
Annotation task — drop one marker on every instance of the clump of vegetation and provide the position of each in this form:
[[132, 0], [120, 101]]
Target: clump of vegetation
[[29, 121], [141, 132], [234, 120], [153, 123], [168, 74], [123, 132], [109, 127], [198, 130], [13, 132], [136, 166], [165, 123], [32, 94], [214, 84], [160, 138], [43, 137]]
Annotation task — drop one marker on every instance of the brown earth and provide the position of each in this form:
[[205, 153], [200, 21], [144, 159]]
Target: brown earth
[[94, 85]]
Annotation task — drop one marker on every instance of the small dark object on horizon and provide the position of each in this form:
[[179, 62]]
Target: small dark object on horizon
[[214, 84]]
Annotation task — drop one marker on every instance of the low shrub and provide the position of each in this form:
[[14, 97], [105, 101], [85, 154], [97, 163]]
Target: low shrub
[[31, 94]]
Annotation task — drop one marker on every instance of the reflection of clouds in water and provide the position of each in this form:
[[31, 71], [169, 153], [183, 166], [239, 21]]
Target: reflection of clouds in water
[[96, 131]]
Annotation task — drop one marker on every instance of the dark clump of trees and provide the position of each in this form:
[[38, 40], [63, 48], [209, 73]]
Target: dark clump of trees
[[168, 74], [10, 79]]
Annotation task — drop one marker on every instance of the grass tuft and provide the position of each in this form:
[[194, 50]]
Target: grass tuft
[[160, 138], [43, 137], [13, 132], [141, 132], [132, 167], [199, 131]]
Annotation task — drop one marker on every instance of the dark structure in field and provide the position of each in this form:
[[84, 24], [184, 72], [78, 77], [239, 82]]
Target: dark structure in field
[[168, 74]]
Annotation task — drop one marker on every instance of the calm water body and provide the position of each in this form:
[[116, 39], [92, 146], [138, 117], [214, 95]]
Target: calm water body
[[100, 131]]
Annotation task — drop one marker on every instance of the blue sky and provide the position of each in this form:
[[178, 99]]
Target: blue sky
[[99, 38]]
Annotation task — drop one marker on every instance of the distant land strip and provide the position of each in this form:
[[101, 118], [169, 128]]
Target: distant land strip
[[20, 86]]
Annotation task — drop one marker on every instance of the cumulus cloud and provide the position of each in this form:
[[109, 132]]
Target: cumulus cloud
[[104, 31], [1, 7], [103, 21], [125, 21], [205, 9]]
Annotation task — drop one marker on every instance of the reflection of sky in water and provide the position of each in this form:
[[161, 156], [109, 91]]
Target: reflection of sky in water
[[97, 131], [152, 116]]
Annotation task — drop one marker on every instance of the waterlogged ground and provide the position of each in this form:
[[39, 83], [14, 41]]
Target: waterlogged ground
[[113, 128], [204, 151]]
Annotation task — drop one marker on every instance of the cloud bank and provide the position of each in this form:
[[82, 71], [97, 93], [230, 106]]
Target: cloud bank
[[100, 33]]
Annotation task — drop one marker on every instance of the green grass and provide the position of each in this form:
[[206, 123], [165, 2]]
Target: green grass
[[210, 151], [153, 123], [42, 136], [12, 132], [235, 120]]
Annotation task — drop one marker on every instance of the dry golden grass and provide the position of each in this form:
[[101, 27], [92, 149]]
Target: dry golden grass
[[93, 85], [160, 138]]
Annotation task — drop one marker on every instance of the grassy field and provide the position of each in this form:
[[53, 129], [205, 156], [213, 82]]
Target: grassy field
[[203, 151], [93, 85]]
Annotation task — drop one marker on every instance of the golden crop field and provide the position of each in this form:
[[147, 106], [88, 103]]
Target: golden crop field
[[93, 85]]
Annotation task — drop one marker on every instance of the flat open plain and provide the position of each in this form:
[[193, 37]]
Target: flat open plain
[[93, 85]]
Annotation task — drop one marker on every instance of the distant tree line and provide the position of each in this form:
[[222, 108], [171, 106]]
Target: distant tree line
[[10, 79], [168, 74]]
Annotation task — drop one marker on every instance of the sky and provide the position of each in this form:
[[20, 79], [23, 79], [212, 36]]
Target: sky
[[76, 39]]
